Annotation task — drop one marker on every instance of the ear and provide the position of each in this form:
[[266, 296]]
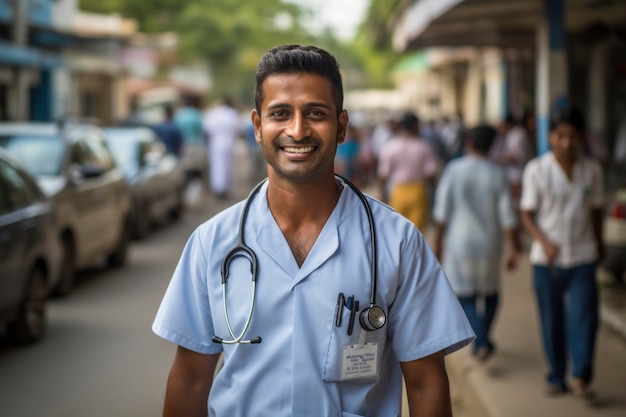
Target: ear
[[342, 126], [256, 122]]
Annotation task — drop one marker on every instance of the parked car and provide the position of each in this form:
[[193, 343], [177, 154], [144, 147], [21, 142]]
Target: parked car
[[29, 252], [74, 166], [615, 235], [156, 178]]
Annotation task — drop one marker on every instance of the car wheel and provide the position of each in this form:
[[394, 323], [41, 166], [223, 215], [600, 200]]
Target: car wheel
[[176, 212], [68, 269], [118, 258], [30, 324]]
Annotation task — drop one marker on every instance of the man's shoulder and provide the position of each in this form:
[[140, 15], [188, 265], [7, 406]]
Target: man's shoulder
[[540, 162], [224, 220], [388, 219]]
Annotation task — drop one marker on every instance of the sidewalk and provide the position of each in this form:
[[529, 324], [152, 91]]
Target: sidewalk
[[511, 383]]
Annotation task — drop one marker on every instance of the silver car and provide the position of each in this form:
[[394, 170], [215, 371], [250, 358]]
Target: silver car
[[29, 252], [74, 166], [157, 179]]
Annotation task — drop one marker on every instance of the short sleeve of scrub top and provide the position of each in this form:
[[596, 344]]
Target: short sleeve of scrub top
[[184, 317], [425, 316]]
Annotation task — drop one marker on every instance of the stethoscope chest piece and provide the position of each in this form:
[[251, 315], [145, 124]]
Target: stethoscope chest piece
[[372, 318]]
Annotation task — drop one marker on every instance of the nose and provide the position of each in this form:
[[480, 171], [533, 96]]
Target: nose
[[298, 127]]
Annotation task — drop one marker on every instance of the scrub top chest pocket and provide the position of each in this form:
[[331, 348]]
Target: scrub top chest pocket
[[354, 356]]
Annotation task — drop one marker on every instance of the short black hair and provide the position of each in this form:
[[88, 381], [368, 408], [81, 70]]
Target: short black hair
[[293, 59], [482, 137], [409, 121], [569, 115]]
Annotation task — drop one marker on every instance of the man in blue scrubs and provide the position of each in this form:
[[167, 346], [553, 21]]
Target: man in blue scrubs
[[300, 349]]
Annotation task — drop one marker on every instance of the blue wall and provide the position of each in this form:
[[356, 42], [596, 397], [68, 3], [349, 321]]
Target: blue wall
[[39, 11]]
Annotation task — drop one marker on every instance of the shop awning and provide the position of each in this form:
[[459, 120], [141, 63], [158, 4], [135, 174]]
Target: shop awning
[[14, 55], [497, 23]]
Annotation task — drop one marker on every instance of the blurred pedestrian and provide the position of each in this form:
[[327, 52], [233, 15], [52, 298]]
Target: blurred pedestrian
[[407, 168], [222, 127], [473, 212], [562, 200], [188, 118], [511, 150], [168, 132], [452, 133], [430, 134], [258, 167], [347, 153], [382, 132]]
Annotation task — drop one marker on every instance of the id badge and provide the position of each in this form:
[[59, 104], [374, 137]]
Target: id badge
[[359, 361]]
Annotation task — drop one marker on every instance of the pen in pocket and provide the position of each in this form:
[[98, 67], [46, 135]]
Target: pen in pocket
[[353, 310], [341, 301]]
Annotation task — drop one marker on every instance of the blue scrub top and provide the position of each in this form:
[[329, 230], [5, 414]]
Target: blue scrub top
[[296, 370]]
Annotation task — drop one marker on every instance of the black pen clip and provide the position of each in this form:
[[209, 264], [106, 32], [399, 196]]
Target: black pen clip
[[341, 301]]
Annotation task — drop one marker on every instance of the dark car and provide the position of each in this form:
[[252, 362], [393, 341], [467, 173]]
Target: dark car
[[29, 252], [74, 166], [156, 178]]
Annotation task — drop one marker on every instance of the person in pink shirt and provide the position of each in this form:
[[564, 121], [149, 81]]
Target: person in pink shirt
[[407, 169]]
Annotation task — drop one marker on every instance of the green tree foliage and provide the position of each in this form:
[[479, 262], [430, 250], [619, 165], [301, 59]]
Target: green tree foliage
[[229, 35], [232, 35], [380, 18], [151, 15], [372, 45]]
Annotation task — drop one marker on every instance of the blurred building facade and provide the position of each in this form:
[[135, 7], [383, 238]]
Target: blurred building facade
[[56, 60], [500, 57], [158, 77]]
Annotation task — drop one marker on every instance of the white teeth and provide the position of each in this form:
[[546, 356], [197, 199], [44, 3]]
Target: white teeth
[[299, 150]]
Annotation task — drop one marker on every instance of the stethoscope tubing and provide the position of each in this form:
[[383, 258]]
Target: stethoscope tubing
[[374, 244], [241, 249]]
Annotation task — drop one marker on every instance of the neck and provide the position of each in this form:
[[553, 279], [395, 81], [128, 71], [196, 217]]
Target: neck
[[301, 203], [566, 162], [476, 153]]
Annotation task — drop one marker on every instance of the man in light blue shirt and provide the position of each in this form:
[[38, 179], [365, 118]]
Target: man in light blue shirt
[[473, 212], [295, 340]]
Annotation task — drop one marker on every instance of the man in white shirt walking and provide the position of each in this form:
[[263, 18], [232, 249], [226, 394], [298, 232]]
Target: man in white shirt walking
[[222, 126], [561, 208]]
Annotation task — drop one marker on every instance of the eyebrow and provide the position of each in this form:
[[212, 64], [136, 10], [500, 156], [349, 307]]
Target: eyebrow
[[307, 105]]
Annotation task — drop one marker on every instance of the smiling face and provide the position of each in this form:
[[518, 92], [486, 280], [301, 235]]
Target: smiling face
[[299, 126]]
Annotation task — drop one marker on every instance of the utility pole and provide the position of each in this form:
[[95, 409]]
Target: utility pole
[[20, 39]]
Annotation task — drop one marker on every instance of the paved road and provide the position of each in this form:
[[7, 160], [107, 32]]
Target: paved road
[[99, 356]]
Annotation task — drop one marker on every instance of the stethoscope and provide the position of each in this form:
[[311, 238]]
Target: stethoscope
[[371, 318]]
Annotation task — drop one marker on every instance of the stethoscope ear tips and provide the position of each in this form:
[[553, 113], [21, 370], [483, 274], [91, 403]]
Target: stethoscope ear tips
[[372, 318]]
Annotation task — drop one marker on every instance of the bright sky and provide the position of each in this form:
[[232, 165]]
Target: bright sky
[[343, 16]]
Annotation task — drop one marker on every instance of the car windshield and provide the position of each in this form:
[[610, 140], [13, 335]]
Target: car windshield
[[123, 145], [40, 154]]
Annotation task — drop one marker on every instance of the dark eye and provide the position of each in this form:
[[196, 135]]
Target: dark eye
[[278, 113], [317, 113]]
